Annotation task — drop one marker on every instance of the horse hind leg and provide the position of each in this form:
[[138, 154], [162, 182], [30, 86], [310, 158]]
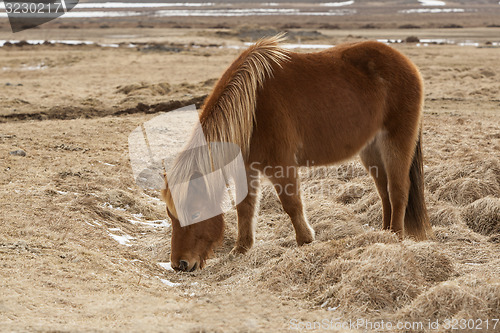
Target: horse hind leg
[[372, 160], [288, 189], [397, 153]]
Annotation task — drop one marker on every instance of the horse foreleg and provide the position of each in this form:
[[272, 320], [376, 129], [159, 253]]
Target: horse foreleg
[[247, 210], [288, 189]]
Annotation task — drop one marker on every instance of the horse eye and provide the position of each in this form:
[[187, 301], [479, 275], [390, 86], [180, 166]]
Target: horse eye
[[195, 216]]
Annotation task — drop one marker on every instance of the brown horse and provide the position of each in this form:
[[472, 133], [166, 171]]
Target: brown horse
[[286, 110]]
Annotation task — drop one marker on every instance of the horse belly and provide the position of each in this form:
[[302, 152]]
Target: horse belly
[[333, 139]]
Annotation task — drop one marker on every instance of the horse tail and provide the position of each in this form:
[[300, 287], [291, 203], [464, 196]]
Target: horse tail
[[416, 224]]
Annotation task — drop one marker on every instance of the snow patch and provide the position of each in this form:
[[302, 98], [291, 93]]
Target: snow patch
[[432, 3], [103, 45], [337, 4], [153, 223], [169, 283], [432, 10], [110, 206], [166, 265], [108, 5], [121, 239]]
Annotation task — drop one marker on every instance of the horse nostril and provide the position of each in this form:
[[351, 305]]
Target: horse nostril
[[183, 265]]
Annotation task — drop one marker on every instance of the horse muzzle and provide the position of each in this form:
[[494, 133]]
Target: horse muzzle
[[185, 266]]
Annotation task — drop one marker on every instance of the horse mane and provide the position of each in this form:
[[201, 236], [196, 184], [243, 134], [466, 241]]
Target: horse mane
[[229, 112]]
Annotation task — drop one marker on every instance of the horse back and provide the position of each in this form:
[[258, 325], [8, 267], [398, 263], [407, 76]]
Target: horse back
[[324, 107]]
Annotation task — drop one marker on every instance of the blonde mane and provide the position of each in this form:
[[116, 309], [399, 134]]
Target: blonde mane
[[228, 115]]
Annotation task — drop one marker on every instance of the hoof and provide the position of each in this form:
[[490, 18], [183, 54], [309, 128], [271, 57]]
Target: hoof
[[305, 239], [238, 249]]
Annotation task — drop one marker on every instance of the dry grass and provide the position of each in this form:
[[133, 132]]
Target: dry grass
[[463, 298], [62, 270], [376, 278], [466, 190], [483, 215], [444, 215]]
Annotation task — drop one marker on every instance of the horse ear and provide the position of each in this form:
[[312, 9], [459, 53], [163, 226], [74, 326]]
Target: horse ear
[[167, 197], [196, 183], [165, 191], [165, 179]]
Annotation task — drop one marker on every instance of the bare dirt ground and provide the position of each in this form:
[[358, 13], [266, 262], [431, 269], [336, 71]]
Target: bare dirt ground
[[65, 204]]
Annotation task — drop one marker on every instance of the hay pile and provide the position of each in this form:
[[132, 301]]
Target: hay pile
[[468, 297], [374, 278], [466, 184], [144, 88], [483, 216], [444, 215], [369, 272]]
